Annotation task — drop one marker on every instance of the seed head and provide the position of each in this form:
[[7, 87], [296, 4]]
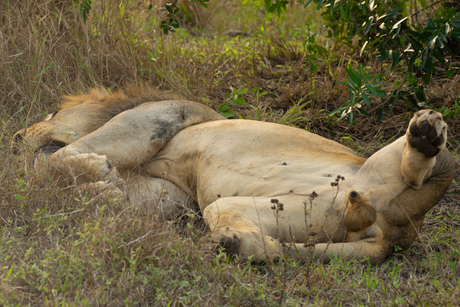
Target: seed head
[[313, 195]]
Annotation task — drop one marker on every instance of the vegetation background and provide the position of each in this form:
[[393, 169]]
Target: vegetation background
[[59, 247]]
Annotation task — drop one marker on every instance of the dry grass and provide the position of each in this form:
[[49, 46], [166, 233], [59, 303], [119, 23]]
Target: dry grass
[[63, 247]]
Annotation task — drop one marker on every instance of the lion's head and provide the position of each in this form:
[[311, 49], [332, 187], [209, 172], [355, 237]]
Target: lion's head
[[80, 115]]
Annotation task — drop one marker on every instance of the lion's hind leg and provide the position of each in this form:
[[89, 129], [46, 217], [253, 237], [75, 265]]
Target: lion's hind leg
[[158, 196], [427, 133], [94, 173], [104, 190], [426, 137]]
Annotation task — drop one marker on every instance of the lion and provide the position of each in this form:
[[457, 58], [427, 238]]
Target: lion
[[264, 189]]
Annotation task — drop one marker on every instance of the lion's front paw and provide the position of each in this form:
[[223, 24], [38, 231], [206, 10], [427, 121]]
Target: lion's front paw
[[228, 242], [244, 243], [427, 133]]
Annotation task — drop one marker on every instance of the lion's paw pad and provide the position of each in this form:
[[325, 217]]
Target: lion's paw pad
[[427, 133], [230, 245]]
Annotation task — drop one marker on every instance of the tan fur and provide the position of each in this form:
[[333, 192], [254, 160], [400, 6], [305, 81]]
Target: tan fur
[[236, 170]]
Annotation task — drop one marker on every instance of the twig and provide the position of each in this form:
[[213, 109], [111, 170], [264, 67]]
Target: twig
[[412, 14], [356, 24], [262, 231], [426, 7], [138, 239], [425, 247], [157, 199], [64, 213], [335, 183], [277, 207], [388, 100]]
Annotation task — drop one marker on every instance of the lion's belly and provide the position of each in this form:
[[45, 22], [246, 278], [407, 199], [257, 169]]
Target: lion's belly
[[247, 158], [267, 177]]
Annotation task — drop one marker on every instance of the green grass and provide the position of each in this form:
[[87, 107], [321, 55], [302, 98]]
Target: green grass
[[61, 247]]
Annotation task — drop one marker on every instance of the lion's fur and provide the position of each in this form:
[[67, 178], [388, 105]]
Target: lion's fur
[[133, 140]]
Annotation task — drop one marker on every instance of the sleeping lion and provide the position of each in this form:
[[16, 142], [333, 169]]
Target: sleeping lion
[[265, 190]]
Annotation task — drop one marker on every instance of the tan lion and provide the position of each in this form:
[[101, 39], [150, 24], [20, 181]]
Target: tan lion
[[253, 181]]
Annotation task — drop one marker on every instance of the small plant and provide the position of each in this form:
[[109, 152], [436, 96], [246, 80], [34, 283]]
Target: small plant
[[451, 112], [361, 85], [172, 23], [424, 48], [382, 26], [233, 98], [257, 107], [85, 8]]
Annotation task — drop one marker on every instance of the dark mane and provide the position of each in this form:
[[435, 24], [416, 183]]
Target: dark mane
[[108, 104]]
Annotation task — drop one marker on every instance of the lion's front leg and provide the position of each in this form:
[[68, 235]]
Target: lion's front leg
[[374, 252], [426, 137], [239, 236], [237, 229], [242, 239], [245, 243], [252, 228]]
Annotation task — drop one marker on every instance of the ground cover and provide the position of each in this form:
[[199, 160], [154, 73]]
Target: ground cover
[[64, 247]]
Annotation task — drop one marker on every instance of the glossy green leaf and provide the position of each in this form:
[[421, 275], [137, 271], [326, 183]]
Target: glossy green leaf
[[320, 4], [374, 92], [353, 75], [347, 85], [426, 78], [381, 114], [420, 93], [308, 2], [363, 111], [365, 99], [394, 97], [368, 26], [451, 72], [223, 107]]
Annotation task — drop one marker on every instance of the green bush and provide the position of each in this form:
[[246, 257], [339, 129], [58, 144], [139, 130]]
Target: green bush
[[381, 27]]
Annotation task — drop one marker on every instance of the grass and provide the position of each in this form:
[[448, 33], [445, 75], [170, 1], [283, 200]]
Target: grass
[[61, 247]]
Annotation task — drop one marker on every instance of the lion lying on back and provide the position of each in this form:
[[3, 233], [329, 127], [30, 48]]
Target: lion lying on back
[[240, 172]]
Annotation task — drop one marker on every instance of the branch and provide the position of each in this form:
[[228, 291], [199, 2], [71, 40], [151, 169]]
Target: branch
[[388, 100], [356, 23], [426, 7]]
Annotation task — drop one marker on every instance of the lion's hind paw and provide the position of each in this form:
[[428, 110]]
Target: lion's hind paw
[[427, 133], [107, 190]]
